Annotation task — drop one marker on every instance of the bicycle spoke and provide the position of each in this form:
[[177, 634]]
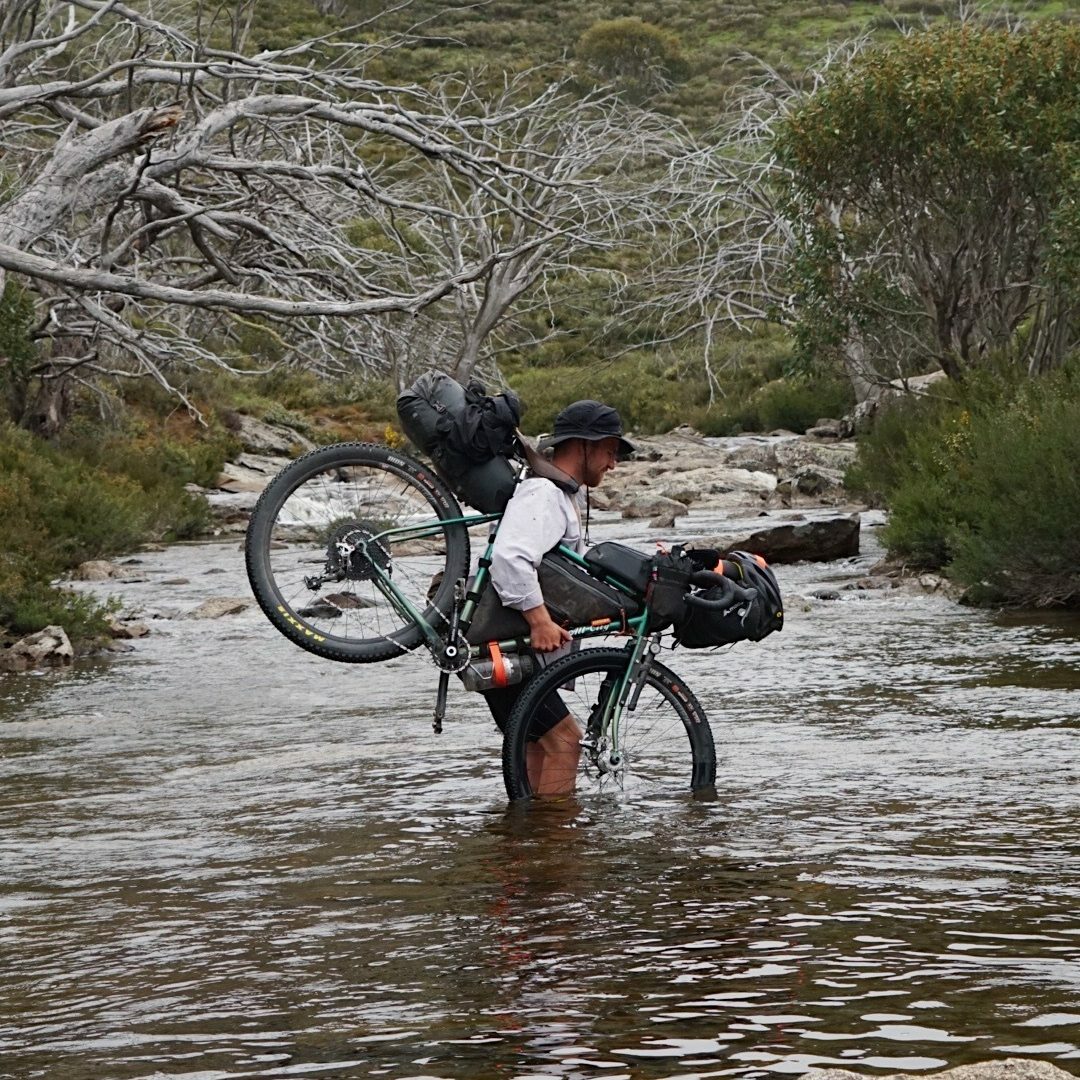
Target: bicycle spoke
[[323, 554]]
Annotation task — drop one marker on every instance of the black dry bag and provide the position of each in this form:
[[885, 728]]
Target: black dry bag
[[752, 620], [468, 435]]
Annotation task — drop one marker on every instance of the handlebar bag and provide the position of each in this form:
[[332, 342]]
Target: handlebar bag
[[749, 621], [664, 578]]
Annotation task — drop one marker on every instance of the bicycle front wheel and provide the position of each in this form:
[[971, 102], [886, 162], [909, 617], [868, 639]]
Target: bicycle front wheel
[[664, 742], [335, 522]]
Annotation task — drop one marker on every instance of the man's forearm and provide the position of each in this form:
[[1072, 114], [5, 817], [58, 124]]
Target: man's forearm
[[537, 616]]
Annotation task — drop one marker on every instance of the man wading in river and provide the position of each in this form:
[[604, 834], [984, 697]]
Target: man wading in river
[[588, 442]]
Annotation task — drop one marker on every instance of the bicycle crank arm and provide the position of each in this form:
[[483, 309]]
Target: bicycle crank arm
[[440, 703]]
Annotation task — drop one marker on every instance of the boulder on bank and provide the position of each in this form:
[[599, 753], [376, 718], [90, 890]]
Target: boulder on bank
[[811, 480], [47, 648], [685, 467], [699, 485], [820, 540], [829, 429], [650, 506], [96, 570], [1005, 1069], [277, 440], [792, 454], [249, 473]]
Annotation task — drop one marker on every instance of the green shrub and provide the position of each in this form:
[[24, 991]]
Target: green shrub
[[30, 604], [793, 404], [982, 482], [632, 53], [64, 509], [61, 505], [1020, 543], [650, 394]]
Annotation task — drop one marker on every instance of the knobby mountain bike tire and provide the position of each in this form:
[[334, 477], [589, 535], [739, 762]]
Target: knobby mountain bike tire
[[666, 742], [317, 534]]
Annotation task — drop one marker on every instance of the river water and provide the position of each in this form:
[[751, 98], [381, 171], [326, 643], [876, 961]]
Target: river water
[[221, 857]]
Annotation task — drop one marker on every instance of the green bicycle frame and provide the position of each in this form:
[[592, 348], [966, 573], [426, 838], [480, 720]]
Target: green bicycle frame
[[616, 702]]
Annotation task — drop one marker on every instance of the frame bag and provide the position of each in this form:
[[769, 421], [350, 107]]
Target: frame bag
[[572, 595]]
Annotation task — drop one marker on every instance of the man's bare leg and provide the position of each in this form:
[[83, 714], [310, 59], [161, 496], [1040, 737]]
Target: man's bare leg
[[552, 761]]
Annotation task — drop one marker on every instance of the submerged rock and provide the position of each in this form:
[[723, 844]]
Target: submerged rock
[[649, 506], [1006, 1069], [220, 606]]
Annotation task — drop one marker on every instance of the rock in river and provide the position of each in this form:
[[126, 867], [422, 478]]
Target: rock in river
[[219, 606], [1006, 1069], [818, 540], [48, 647]]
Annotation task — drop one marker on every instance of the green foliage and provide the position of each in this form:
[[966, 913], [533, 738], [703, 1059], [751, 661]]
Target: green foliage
[[654, 393], [983, 482], [29, 604], [632, 53], [936, 178], [649, 394], [794, 404], [86, 499], [16, 348]]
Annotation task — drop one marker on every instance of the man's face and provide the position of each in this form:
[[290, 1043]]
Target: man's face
[[600, 458]]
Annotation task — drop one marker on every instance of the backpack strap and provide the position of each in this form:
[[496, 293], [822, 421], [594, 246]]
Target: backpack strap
[[540, 466]]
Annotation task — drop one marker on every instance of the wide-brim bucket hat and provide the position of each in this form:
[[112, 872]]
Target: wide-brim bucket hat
[[590, 420]]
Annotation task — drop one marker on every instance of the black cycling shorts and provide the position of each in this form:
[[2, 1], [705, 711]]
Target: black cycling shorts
[[501, 702]]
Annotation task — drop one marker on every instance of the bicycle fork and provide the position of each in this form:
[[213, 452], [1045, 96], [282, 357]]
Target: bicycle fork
[[618, 693]]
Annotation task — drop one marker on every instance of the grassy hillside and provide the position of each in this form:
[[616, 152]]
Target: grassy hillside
[[717, 39]]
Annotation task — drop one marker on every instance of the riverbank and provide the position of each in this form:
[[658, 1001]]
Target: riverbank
[[780, 495]]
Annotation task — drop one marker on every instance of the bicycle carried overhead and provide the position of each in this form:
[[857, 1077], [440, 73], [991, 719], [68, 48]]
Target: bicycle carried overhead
[[359, 553]]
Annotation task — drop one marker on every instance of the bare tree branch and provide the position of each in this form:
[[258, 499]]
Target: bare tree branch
[[163, 184]]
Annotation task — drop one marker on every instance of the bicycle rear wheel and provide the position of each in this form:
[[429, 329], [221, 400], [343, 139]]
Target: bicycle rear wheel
[[664, 744], [321, 533]]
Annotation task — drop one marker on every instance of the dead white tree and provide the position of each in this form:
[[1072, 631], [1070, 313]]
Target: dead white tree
[[733, 234], [160, 193], [600, 165]]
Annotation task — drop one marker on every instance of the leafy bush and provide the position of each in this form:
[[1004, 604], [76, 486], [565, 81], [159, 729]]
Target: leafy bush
[[651, 395], [983, 483], [28, 604], [655, 393], [909, 165], [632, 53], [793, 404], [62, 505]]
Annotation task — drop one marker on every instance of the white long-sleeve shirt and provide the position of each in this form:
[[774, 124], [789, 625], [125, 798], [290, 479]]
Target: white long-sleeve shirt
[[538, 517]]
